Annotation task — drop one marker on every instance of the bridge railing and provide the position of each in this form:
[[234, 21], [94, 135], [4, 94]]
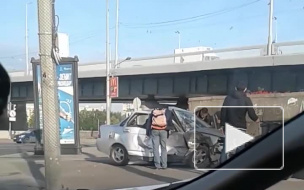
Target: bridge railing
[[226, 53], [198, 56]]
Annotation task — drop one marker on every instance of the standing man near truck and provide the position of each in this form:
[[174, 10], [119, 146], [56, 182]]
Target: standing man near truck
[[236, 117]]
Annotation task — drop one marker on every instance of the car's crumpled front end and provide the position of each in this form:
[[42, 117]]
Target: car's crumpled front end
[[205, 138]]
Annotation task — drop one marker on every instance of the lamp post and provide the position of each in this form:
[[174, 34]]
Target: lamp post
[[276, 29], [179, 39], [26, 39], [116, 33], [269, 45], [108, 98], [118, 64]]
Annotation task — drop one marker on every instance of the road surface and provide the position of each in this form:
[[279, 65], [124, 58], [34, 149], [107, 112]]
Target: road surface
[[91, 170]]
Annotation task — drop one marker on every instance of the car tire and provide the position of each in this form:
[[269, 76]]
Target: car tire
[[119, 155], [202, 158]]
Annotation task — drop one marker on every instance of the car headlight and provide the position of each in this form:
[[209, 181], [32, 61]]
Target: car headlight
[[21, 136], [192, 145]]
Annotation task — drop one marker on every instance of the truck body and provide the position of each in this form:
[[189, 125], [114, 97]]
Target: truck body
[[287, 105]]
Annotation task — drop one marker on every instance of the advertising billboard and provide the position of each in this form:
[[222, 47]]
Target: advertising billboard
[[67, 88], [38, 79], [66, 103]]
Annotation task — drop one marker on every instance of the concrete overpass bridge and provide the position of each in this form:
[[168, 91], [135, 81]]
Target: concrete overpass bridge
[[169, 78]]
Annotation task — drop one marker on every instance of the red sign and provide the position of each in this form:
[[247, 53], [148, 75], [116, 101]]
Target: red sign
[[114, 87]]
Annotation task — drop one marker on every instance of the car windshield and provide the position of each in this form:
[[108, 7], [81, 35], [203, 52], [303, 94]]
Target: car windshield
[[89, 73], [187, 119]]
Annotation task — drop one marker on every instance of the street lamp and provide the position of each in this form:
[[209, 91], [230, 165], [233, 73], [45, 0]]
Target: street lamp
[[269, 45], [26, 40], [118, 64], [108, 98], [179, 39], [276, 29]]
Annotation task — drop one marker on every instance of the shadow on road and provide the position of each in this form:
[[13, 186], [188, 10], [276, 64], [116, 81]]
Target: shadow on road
[[148, 174], [9, 148], [34, 169]]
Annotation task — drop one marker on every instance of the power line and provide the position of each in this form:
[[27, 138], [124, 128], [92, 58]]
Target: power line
[[71, 43], [187, 20], [16, 55]]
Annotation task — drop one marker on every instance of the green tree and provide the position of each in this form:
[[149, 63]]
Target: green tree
[[88, 120], [31, 121]]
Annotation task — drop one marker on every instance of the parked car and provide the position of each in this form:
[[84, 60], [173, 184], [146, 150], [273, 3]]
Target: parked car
[[26, 137], [126, 142]]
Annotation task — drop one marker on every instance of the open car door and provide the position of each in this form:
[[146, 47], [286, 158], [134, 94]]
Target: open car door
[[135, 136]]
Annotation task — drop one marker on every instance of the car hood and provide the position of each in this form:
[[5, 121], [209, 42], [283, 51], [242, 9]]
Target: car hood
[[209, 131]]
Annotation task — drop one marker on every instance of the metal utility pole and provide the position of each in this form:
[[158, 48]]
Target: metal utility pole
[[49, 96], [179, 39], [108, 99], [269, 45], [116, 34], [26, 40]]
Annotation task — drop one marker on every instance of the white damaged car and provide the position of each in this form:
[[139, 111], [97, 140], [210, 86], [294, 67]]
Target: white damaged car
[[126, 141]]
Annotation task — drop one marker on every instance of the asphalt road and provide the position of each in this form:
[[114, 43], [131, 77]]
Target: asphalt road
[[92, 170]]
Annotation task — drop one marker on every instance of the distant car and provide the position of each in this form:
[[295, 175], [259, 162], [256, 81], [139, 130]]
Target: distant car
[[126, 142], [17, 136], [26, 137]]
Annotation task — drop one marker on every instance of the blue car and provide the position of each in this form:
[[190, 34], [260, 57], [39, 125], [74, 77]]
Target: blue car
[[26, 137]]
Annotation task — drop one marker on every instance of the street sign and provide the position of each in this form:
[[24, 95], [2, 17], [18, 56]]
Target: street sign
[[136, 103], [12, 112], [114, 87]]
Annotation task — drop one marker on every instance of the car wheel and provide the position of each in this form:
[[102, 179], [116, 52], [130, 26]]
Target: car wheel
[[119, 155], [202, 157]]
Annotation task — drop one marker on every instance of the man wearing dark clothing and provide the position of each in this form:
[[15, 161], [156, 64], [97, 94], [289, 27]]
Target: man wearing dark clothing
[[159, 137], [236, 117]]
